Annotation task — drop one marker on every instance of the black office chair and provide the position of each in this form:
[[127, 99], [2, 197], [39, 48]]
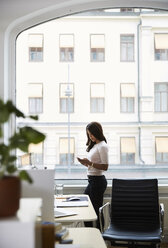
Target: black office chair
[[136, 220]]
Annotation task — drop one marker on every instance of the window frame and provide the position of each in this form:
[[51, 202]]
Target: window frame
[[133, 51], [97, 98], [97, 49], [72, 155], [161, 153], [66, 50], [66, 99], [160, 52], [127, 154], [160, 93], [36, 48]]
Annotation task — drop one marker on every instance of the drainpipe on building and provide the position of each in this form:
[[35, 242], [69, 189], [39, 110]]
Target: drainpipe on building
[[138, 70]]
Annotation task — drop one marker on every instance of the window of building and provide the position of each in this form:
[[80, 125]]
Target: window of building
[[128, 150], [127, 47], [161, 97], [66, 146], [35, 98], [66, 47], [161, 150], [35, 43], [66, 98], [161, 46], [97, 47], [127, 97], [97, 97], [36, 154]]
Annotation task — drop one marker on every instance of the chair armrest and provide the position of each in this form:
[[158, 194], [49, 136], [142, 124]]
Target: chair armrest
[[101, 215], [162, 219]]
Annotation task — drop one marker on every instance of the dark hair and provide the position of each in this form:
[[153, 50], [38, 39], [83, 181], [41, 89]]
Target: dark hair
[[96, 130]]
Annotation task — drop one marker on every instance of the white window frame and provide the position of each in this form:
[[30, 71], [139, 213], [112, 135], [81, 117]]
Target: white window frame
[[127, 43]]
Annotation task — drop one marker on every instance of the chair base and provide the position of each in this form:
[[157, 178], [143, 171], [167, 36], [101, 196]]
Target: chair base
[[134, 244]]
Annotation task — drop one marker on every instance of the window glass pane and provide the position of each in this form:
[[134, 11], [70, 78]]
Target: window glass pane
[[165, 157], [130, 52], [123, 157], [63, 105], [123, 104], [131, 157], [130, 104], [100, 105], [93, 105], [157, 102], [36, 54], [161, 54], [159, 157], [123, 52], [63, 159], [37, 159], [62, 54], [164, 102], [161, 87], [66, 54], [127, 48], [70, 54], [97, 105], [35, 105], [97, 54]]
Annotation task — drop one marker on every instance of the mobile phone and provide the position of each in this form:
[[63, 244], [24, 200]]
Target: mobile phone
[[79, 159]]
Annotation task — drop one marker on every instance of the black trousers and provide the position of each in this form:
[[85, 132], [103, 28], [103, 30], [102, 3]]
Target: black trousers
[[95, 189]]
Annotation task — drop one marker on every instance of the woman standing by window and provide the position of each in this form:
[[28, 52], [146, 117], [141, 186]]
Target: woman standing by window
[[97, 163]]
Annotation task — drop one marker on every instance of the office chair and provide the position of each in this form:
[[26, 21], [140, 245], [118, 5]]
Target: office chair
[[136, 219]]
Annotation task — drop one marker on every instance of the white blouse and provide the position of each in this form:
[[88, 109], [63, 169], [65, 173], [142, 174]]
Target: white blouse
[[99, 155]]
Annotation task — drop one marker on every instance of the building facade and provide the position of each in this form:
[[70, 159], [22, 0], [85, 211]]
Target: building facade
[[109, 67]]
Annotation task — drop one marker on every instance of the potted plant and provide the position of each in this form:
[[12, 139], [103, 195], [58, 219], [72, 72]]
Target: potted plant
[[10, 176]]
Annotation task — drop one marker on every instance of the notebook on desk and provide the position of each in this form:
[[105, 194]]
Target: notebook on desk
[[67, 203], [63, 213], [77, 198]]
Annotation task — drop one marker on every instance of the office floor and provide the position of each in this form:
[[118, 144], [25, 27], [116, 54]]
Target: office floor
[[162, 246]]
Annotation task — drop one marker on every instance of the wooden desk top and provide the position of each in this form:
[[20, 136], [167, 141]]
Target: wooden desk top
[[86, 237], [83, 213]]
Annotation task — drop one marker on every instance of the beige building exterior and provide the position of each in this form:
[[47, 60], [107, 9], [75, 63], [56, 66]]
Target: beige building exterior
[[115, 66]]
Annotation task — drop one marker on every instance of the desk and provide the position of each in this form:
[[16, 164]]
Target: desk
[[86, 237], [83, 213], [19, 231]]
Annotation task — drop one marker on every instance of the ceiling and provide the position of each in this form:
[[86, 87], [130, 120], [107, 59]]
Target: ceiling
[[12, 10]]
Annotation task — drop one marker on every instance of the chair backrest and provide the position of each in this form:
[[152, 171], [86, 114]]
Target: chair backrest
[[135, 203]]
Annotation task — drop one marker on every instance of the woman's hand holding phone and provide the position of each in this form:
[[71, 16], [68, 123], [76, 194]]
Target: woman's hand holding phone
[[83, 161]]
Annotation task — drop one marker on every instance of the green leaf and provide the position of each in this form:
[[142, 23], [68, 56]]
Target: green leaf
[[18, 141], [12, 158], [11, 169], [4, 113], [12, 109], [32, 135], [25, 176], [0, 131], [34, 117]]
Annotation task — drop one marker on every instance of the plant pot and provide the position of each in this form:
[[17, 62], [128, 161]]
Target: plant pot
[[10, 189]]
